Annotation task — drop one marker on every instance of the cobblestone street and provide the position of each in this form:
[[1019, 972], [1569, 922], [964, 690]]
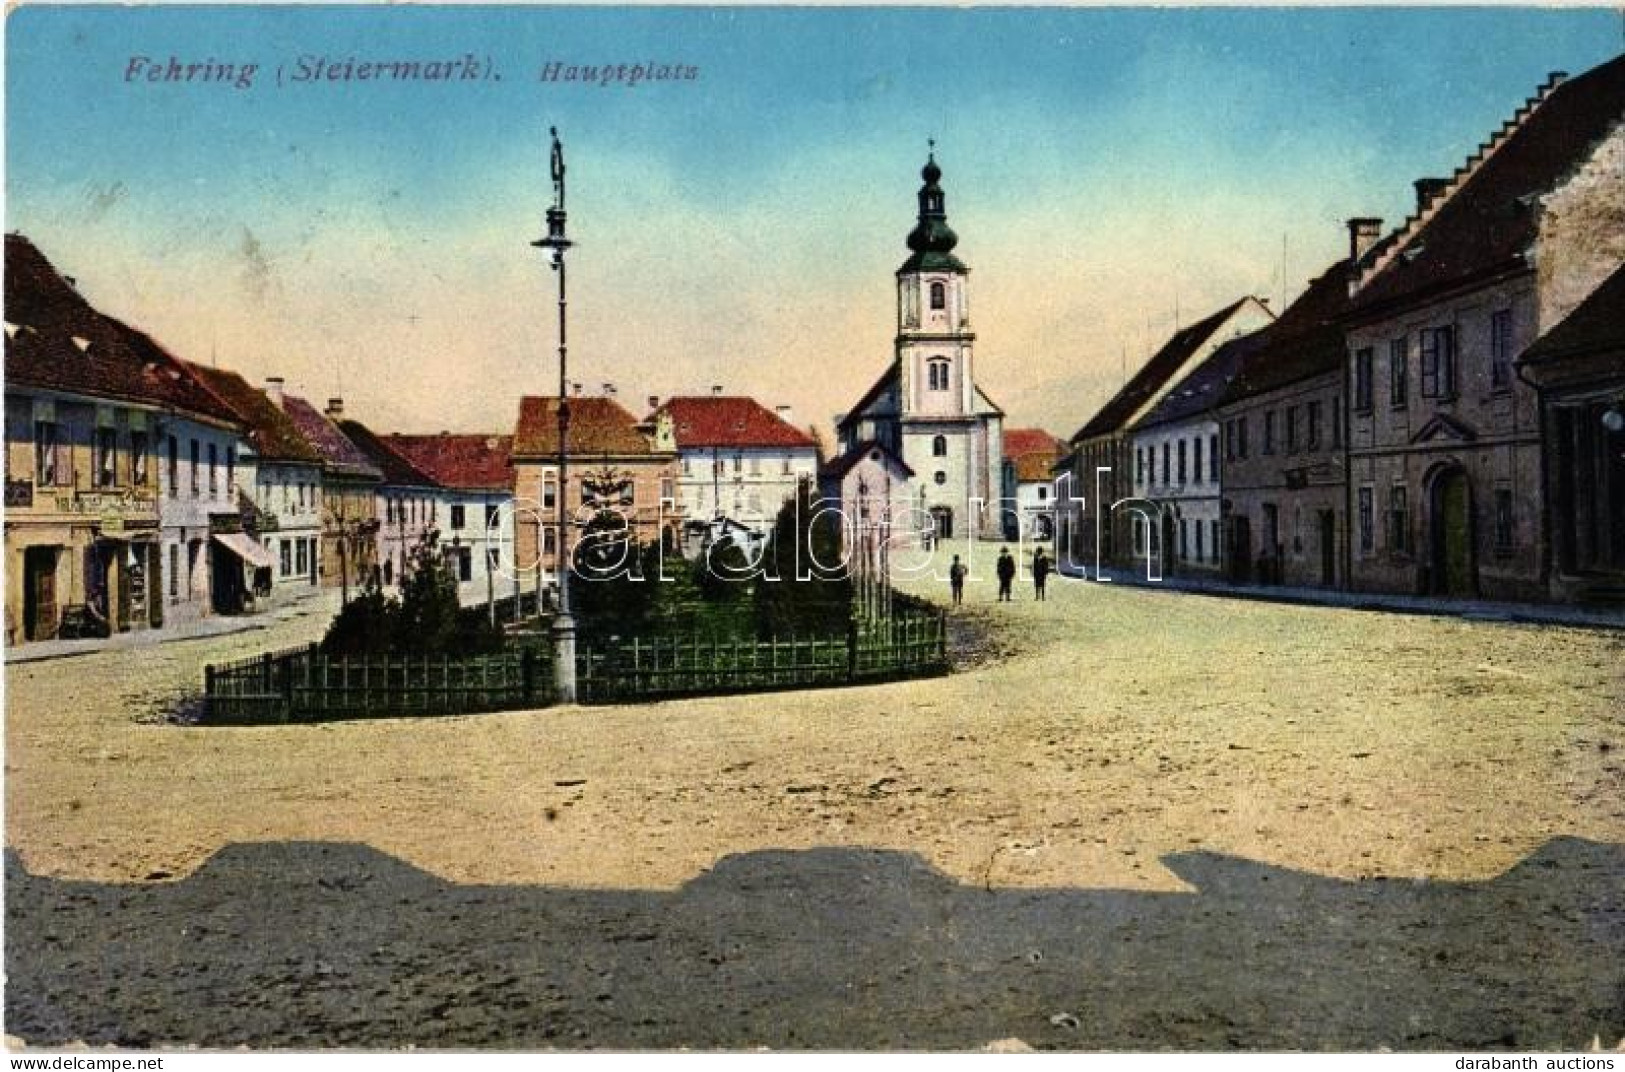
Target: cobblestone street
[[1096, 742]]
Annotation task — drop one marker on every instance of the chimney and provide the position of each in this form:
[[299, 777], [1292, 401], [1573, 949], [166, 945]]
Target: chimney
[[654, 403], [1426, 191], [716, 390], [575, 388], [273, 390], [785, 414], [1363, 234], [335, 408], [609, 389]]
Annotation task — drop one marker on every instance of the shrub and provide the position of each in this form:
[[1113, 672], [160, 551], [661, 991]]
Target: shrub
[[813, 593]]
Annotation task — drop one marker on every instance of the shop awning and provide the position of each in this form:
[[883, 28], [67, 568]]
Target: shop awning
[[246, 548]]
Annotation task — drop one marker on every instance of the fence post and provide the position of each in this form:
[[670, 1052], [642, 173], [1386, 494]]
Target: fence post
[[527, 674], [851, 649], [208, 692], [942, 637], [287, 688]]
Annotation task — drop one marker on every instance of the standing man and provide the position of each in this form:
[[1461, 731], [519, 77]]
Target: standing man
[[1007, 574], [1040, 572], [956, 580]]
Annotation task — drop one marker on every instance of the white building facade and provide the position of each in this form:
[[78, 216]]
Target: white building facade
[[927, 408]]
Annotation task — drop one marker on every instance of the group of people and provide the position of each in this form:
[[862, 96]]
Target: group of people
[[1006, 571]]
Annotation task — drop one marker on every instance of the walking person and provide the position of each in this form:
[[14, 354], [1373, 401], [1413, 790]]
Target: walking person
[[1007, 574], [1041, 568], [956, 580]]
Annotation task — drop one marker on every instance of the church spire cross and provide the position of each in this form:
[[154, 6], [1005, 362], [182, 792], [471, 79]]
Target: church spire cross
[[932, 240]]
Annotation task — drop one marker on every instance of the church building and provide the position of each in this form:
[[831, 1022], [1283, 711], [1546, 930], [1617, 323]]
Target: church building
[[926, 409]]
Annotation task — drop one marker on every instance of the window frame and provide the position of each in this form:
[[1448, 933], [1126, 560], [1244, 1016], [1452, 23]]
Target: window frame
[[1437, 349], [1362, 379]]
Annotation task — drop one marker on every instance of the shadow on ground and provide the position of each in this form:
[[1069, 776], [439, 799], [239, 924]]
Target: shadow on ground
[[319, 945]]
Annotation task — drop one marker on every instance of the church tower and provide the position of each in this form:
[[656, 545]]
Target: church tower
[[934, 338]]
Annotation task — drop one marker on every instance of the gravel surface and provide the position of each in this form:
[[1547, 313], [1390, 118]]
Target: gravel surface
[[1138, 819]]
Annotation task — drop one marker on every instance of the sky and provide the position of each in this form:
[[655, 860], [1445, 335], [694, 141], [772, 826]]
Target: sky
[[1111, 173]]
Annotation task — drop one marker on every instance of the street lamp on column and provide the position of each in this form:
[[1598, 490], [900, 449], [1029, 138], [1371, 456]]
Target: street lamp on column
[[564, 665]]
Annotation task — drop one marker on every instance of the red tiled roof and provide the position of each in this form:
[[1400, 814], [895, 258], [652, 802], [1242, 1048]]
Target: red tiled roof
[[1033, 451], [598, 425], [1154, 374], [66, 345], [339, 456], [272, 432], [1487, 225], [465, 462], [732, 421], [395, 466]]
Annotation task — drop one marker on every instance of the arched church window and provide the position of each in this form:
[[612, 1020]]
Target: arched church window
[[939, 447], [939, 296], [937, 373]]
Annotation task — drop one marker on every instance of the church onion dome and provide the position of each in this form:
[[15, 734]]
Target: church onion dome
[[932, 240]]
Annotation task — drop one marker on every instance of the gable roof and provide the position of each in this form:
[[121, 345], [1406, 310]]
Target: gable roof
[[63, 343], [733, 421], [1306, 341], [394, 466], [340, 457], [1200, 391], [1143, 386], [272, 433], [837, 468], [1596, 324], [886, 382], [1032, 451], [1486, 224], [464, 462], [598, 425]]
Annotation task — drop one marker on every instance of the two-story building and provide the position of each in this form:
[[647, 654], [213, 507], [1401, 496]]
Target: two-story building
[[349, 500], [92, 410], [739, 462], [475, 478], [1444, 440], [1028, 503], [409, 504], [1101, 458], [616, 465], [1285, 518], [278, 491], [1176, 465]]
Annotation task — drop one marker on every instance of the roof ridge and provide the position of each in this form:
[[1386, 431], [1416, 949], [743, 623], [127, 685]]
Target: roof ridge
[[1413, 224]]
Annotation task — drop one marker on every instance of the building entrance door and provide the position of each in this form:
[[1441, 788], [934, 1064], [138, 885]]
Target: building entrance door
[[39, 593], [1328, 548], [1241, 550], [1452, 536]]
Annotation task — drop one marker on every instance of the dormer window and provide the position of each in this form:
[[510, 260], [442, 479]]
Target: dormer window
[[939, 296], [937, 373]]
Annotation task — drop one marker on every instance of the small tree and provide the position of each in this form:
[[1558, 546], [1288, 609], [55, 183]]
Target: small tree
[[813, 592], [612, 578], [722, 573], [366, 625], [426, 620], [428, 608]]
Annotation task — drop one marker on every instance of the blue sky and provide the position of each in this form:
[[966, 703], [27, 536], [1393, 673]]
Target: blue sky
[[1102, 167]]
